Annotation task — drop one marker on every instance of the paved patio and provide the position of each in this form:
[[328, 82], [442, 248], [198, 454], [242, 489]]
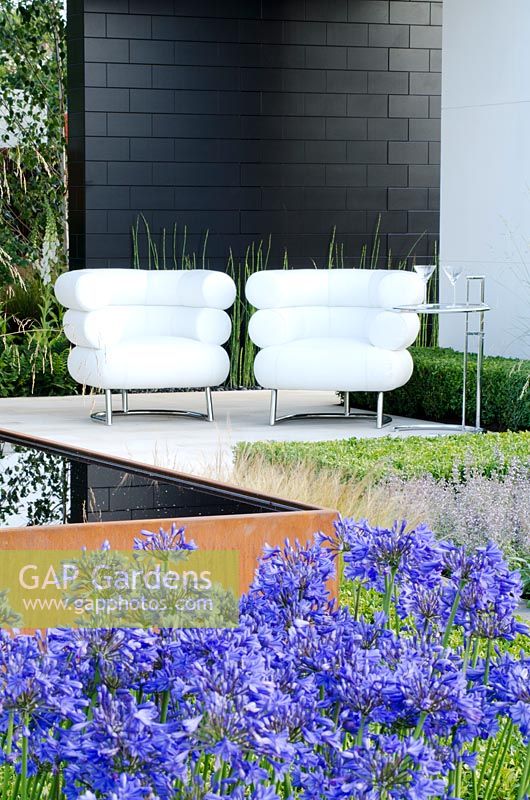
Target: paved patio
[[178, 442]]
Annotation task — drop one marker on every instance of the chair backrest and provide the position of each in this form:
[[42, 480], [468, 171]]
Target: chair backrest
[[106, 306], [354, 288], [349, 303], [91, 289]]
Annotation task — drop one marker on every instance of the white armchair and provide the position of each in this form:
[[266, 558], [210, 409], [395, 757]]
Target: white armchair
[[332, 330], [140, 329]]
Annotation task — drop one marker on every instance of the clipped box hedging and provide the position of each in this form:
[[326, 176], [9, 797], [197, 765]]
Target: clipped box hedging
[[435, 390], [443, 457]]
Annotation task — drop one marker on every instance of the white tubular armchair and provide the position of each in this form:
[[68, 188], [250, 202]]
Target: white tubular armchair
[[332, 330], [139, 329]]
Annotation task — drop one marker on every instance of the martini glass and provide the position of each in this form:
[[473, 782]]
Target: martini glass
[[425, 271], [453, 273]]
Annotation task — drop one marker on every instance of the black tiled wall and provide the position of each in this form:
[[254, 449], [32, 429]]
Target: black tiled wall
[[101, 494], [254, 117]]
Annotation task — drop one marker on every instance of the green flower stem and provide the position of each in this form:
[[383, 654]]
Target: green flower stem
[[40, 786], [225, 772], [389, 589], [419, 727], [24, 766], [164, 706], [397, 625], [467, 655], [360, 732], [484, 762], [452, 615], [357, 601], [458, 779], [9, 747], [524, 785], [488, 663], [37, 781], [206, 769], [476, 652], [500, 756], [474, 785]]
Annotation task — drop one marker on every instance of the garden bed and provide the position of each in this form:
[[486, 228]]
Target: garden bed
[[414, 456], [471, 488]]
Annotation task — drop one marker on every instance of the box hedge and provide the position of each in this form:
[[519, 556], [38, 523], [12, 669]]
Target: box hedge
[[435, 390], [443, 457]]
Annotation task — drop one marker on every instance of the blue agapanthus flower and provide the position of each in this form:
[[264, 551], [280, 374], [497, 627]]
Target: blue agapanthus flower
[[173, 539], [388, 766], [510, 690], [371, 554], [304, 700]]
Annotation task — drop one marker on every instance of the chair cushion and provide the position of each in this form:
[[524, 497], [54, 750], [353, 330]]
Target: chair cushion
[[332, 364], [158, 362]]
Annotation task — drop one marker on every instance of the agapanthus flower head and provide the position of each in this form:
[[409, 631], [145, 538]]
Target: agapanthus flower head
[[510, 690], [426, 681], [373, 553], [401, 769], [123, 737], [424, 603], [291, 585], [126, 788], [116, 657], [33, 682], [489, 592], [172, 539]]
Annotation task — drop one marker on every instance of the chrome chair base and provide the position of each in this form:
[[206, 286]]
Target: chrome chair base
[[381, 419], [105, 417]]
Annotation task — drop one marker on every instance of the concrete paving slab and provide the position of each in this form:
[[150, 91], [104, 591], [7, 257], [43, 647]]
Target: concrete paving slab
[[187, 444]]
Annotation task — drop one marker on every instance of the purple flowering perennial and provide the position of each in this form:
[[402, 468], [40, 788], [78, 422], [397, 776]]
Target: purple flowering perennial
[[305, 700]]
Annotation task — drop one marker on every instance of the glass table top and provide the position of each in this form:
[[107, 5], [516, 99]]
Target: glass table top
[[47, 483], [442, 308]]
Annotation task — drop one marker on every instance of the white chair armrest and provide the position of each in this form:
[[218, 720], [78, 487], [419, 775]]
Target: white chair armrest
[[398, 288], [105, 327], [273, 326], [393, 331]]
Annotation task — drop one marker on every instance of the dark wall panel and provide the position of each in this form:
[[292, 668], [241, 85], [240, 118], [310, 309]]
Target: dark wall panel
[[252, 118]]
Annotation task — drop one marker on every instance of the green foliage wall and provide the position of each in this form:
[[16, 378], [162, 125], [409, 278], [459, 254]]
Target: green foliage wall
[[33, 197], [32, 170]]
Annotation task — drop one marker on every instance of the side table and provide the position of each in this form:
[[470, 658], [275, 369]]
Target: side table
[[466, 308]]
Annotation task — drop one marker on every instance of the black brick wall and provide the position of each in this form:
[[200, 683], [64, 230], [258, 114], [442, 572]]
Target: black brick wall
[[100, 493], [252, 117]]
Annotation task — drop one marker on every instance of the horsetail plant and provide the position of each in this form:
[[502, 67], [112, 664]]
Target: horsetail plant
[[256, 258]]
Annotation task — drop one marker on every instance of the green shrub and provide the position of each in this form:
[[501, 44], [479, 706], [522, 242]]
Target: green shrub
[[32, 367], [440, 456], [33, 348], [435, 390]]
